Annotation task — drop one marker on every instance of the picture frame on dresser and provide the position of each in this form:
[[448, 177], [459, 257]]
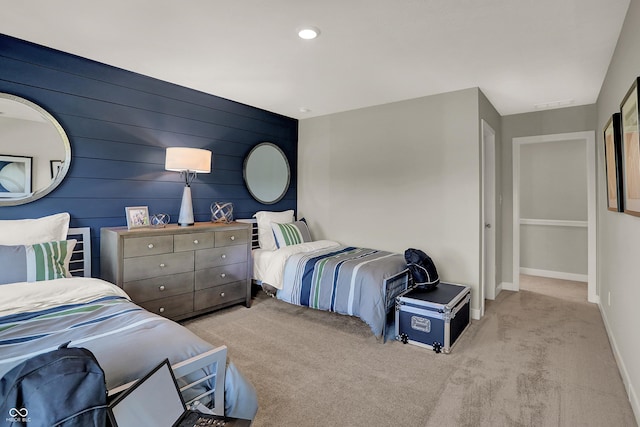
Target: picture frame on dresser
[[613, 163], [137, 217], [631, 150]]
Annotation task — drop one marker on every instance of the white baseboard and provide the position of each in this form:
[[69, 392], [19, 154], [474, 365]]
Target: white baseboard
[[631, 393], [475, 314], [507, 286], [554, 274]]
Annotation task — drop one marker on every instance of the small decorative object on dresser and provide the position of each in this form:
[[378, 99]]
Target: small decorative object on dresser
[[160, 220], [180, 272], [221, 212], [433, 318]]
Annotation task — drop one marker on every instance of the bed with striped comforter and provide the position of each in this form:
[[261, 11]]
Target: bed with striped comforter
[[343, 279], [128, 341]]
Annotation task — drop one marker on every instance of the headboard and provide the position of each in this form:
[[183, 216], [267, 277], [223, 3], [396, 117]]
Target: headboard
[[80, 264], [254, 231]]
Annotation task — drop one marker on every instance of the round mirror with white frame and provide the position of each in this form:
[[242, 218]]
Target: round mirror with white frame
[[266, 173], [35, 153]]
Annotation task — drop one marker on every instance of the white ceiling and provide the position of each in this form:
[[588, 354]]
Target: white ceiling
[[520, 53]]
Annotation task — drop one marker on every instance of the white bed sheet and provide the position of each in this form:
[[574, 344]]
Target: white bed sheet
[[36, 296], [268, 266]]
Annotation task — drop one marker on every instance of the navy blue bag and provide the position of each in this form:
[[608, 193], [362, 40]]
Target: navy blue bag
[[423, 270], [65, 387]]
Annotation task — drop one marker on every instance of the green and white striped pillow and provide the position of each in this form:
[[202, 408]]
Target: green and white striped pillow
[[33, 263], [290, 234]]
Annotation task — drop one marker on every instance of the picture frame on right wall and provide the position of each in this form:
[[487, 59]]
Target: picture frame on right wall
[[630, 150], [613, 163]]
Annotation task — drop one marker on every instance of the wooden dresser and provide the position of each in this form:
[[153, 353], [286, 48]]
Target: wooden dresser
[[179, 272]]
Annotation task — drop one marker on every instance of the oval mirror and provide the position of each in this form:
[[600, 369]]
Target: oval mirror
[[35, 153], [266, 173]]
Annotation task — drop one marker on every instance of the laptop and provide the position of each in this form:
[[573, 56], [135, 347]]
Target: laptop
[[155, 401]]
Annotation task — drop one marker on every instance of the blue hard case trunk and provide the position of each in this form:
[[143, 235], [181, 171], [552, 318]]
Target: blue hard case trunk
[[433, 319]]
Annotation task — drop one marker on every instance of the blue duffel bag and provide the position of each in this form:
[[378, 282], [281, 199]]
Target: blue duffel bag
[[422, 269]]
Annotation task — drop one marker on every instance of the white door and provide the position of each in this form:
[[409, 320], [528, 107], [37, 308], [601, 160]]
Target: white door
[[488, 279]]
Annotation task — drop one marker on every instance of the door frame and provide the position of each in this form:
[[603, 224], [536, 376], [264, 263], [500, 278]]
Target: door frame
[[488, 167], [589, 139]]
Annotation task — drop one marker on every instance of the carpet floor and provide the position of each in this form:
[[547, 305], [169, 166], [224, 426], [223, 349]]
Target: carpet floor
[[539, 357]]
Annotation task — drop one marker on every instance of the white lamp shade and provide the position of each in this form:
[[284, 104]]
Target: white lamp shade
[[188, 159]]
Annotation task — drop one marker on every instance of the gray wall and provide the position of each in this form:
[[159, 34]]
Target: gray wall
[[399, 175], [553, 187], [572, 119], [618, 233]]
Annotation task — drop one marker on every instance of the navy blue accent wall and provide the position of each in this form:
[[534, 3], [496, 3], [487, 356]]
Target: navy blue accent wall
[[119, 124]]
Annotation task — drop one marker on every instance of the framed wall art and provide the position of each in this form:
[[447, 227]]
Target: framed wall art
[[15, 176], [630, 151], [613, 163], [55, 166], [137, 217]]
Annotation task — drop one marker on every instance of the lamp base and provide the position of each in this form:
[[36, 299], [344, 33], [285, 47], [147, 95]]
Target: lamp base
[[186, 209]]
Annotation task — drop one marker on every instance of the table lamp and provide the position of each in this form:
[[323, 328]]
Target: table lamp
[[189, 162]]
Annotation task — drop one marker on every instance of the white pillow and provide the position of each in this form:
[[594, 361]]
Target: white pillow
[[50, 228], [265, 234]]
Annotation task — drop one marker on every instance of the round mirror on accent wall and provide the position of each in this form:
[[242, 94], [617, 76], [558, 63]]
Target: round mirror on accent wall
[[266, 173], [35, 153]]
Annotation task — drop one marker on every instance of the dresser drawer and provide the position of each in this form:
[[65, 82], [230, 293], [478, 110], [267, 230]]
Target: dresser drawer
[[149, 245], [160, 287], [192, 241], [209, 298], [220, 275], [231, 237], [157, 265], [220, 256], [171, 306]]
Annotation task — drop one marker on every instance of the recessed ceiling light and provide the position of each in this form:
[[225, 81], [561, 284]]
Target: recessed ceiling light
[[308, 33], [305, 110]]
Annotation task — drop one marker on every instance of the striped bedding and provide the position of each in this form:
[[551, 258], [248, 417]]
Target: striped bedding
[[127, 340], [342, 279]]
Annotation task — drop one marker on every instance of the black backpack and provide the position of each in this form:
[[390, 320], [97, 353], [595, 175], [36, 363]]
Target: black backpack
[[65, 387], [422, 269]]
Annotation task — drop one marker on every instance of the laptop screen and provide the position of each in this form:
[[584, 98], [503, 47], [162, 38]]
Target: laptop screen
[[155, 400]]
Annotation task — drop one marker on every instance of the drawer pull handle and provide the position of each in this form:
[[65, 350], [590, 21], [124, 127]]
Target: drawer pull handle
[[162, 265], [223, 275], [150, 245], [195, 242], [161, 287], [224, 256], [161, 310], [233, 237], [222, 294]]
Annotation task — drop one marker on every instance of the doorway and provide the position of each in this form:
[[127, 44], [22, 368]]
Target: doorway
[[588, 139]]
